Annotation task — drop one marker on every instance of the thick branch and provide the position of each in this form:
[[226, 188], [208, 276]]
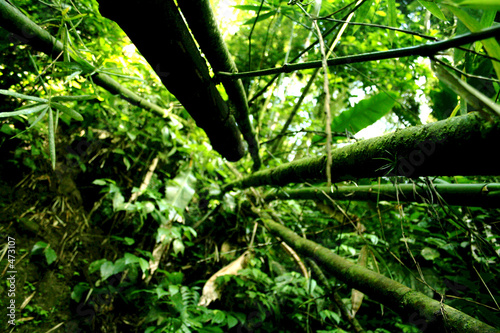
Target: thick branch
[[202, 23], [411, 305], [159, 32], [456, 146], [480, 195], [425, 50]]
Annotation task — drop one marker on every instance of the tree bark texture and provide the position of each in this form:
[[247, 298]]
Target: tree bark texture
[[478, 195], [158, 31], [457, 146], [201, 21], [414, 307]]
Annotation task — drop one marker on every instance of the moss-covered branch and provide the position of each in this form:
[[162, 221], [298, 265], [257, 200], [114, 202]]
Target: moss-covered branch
[[412, 306], [202, 23], [480, 195], [456, 146]]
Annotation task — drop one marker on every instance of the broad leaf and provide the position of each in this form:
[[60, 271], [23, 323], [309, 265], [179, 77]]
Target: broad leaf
[[180, 191], [361, 13], [480, 4], [490, 44], [107, 269], [50, 255], [259, 18], [433, 8], [365, 113]]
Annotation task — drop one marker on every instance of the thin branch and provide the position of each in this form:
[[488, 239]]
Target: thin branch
[[250, 36], [425, 50], [470, 76], [408, 32], [304, 51]]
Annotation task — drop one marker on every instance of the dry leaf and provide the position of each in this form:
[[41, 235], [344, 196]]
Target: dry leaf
[[211, 291]]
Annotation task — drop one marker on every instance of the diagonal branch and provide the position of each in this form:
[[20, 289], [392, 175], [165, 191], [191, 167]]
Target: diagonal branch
[[436, 316], [202, 23], [456, 146]]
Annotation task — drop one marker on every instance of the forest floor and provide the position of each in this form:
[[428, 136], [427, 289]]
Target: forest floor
[[35, 207]]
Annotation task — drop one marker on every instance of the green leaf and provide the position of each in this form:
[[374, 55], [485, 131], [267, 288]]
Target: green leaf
[[70, 112], [254, 8], [180, 191], [231, 321], [429, 253], [126, 162], [40, 116], [118, 201], [479, 4], [130, 258], [259, 18], [470, 94], [178, 246], [52, 140], [78, 291], [39, 247], [219, 317], [491, 45], [128, 241], [22, 96], [119, 266], [94, 266], [107, 269], [73, 98], [392, 16], [100, 182], [50, 255], [144, 264], [361, 13], [433, 8], [365, 113], [31, 109]]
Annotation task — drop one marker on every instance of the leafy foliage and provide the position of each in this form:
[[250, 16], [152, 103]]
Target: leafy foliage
[[131, 202]]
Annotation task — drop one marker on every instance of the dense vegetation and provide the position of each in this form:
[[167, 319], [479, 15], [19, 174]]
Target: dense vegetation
[[116, 211]]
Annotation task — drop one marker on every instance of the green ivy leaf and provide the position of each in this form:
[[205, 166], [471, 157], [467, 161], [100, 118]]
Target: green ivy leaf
[[39, 247], [429, 254], [107, 269], [178, 246], [50, 255]]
